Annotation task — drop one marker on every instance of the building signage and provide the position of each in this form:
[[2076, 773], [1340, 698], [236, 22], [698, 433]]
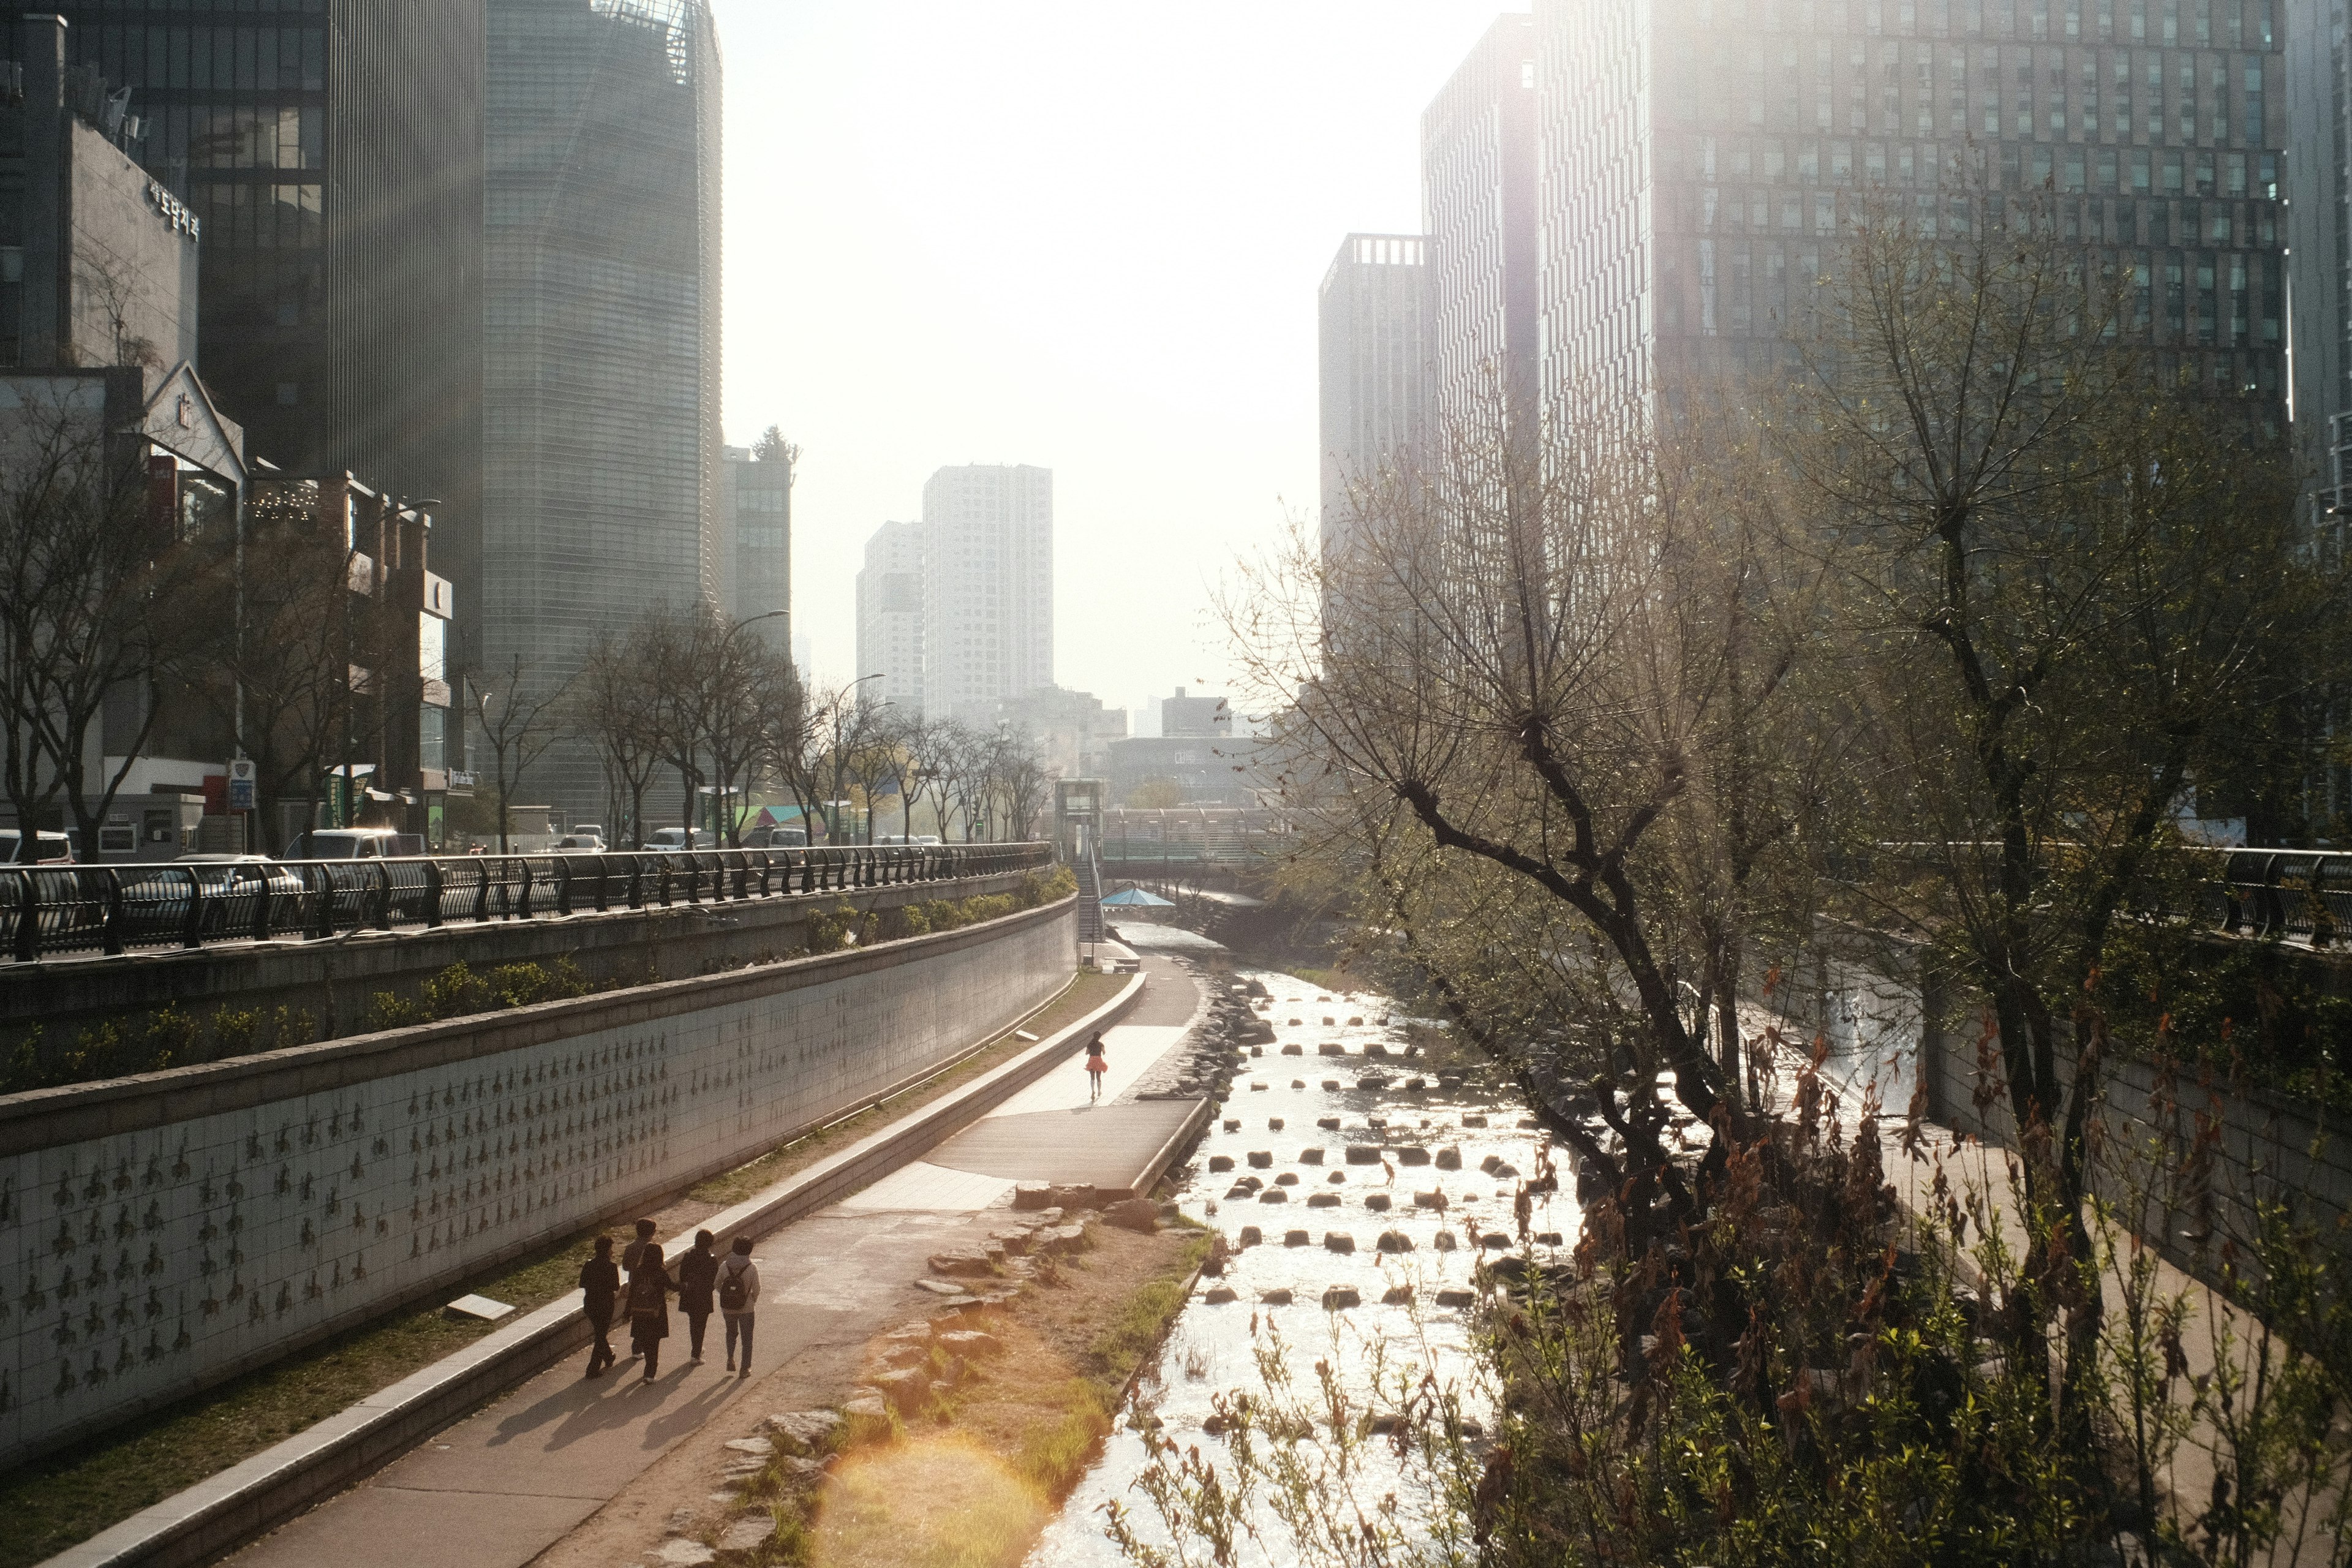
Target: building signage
[[240, 785], [175, 212]]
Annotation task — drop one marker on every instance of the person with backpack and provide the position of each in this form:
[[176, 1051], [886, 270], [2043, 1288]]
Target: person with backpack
[[738, 1298], [697, 1272], [650, 1289], [1096, 1067], [600, 1288]]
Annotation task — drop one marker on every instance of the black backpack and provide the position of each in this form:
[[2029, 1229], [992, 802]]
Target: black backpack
[[734, 1294]]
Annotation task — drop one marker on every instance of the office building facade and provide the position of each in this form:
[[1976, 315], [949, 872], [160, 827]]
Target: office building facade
[[1700, 158], [988, 588], [1375, 373], [602, 444], [755, 509], [1479, 198], [890, 617], [331, 153], [2319, 238]]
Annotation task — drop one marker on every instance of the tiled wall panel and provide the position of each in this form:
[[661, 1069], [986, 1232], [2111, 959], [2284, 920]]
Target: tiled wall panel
[[137, 1266]]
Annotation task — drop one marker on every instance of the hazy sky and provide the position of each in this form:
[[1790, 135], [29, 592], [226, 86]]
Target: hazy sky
[[1085, 235]]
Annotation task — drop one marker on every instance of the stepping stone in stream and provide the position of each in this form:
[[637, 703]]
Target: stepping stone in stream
[[1330, 1048], [1364, 1154], [1378, 1203], [1294, 1049], [1220, 1163], [1298, 1083], [1356, 1022], [1233, 1124], [1287, 1179], [1218, 1295], [1329, 1084], [1294, 1239], [1429, 1200], [1412, 1155], [1276, 1299], [1548, 1239], [1456, 1298], [1257, 1086], [1449, 1159], [1310, 1156], [1329, 1124], [1338, 1176], [1394, 1241], [1263, 1159], [1274, 1195], [1444, 1241], [1339, 1297], [1323, 1200], [1251, 1235], [1274, 1124], [1474, 1122], [1397, 1296], [1338, 1241]]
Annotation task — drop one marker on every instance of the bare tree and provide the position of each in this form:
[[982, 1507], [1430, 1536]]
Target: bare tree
[[615, 702], [100, 599], [519, 715]]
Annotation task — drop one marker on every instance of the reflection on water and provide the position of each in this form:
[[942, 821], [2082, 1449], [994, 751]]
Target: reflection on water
[[1303, 1114]]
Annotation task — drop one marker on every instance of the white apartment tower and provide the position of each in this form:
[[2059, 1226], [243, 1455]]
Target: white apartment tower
[[988, 588], [890, 615]]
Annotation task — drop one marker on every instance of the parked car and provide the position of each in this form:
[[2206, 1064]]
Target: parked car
[[588, 830], [776, 838], [230, 883], [52, 848], [352, 844], [673, 840], [580, 844]]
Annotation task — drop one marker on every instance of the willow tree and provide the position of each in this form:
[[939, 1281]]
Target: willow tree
[[2061, 564], [1543, 714]]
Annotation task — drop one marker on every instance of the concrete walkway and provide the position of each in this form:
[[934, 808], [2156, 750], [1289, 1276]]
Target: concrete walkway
[[502, 1487]]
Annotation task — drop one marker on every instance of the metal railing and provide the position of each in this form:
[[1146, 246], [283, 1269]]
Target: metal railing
[[2294, 895], [50, 909]]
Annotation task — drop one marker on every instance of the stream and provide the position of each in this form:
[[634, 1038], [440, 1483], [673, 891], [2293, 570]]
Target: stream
[[1291, 1121]]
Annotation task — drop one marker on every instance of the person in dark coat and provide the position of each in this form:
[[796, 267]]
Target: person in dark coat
[[650, 1289], [629, 1265], [698, 1271], [600, 1288]]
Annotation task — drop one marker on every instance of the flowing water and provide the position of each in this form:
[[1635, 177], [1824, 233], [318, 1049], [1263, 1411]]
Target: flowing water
[[1302, 1114]]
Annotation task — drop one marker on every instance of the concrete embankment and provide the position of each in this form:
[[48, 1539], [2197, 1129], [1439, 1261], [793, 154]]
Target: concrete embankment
[[161, 1233]]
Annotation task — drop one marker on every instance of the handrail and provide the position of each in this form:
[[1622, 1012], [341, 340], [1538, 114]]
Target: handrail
[[118, 907]]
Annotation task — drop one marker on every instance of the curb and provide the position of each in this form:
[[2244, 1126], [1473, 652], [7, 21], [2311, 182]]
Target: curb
[[254, 1495]]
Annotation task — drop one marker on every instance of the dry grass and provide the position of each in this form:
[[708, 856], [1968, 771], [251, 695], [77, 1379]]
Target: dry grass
[[973, 1486]]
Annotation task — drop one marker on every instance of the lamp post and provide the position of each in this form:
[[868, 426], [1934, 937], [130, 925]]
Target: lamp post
[[833, 807], [719, 792]]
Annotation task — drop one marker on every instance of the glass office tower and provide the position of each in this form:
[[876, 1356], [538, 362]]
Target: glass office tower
[[601, 442], [1700, 156]]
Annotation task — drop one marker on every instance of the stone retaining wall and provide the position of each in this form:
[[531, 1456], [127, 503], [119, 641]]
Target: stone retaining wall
[[162, 1233]]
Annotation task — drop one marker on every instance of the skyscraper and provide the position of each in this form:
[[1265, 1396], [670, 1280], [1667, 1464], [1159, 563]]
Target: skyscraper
[[756, 509], [2319, 236], [600, 443], [1478, 199], [1700, 157], [988, 587], [332, 153], [1375, 370], [890, 617]]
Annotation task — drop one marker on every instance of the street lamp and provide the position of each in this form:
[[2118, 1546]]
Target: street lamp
[[832, 807]]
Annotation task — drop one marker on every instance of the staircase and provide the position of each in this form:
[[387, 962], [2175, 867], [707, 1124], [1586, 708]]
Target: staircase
[[1090, 917]]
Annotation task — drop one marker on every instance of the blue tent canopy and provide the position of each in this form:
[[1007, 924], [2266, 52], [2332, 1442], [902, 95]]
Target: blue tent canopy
[[1136, 899]]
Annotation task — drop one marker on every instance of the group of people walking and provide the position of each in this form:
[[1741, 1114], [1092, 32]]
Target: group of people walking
[[702, 1280]]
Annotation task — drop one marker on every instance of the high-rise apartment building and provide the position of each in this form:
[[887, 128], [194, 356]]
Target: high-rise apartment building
[[331, 154], [601, 439], [1373, 336], [890, 617], [755, 508], [988, 587], [1478, 199], [1699, 158]]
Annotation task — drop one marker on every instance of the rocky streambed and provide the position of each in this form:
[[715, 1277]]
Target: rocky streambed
[[1355, 1185]]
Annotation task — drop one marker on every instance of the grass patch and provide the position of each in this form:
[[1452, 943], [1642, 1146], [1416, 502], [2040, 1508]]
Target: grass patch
[[63, 1498]]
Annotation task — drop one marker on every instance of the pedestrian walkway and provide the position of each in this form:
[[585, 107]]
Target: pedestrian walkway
[[501, 1488]]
